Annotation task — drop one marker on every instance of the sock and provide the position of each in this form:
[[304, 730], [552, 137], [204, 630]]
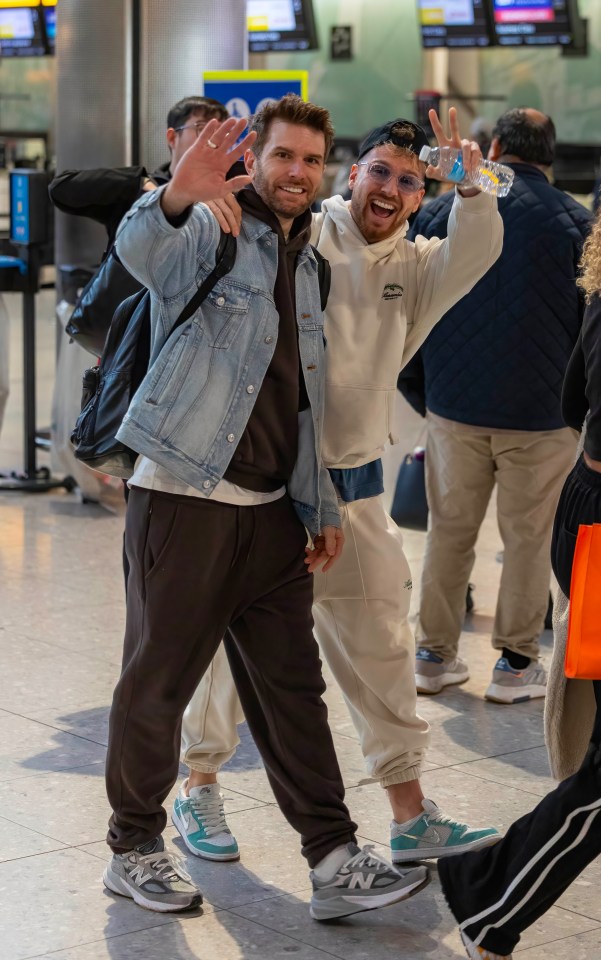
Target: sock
[[327, 868], [403, 827], [516, 660]]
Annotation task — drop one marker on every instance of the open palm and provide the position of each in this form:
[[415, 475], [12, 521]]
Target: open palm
[[201, 173]]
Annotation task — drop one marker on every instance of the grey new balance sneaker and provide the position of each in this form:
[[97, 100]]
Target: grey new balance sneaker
[[432, 673], [154, 879], [363, 882], [509, 685]]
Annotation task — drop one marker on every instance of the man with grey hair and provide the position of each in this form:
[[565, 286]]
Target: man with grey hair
[[493, 368]]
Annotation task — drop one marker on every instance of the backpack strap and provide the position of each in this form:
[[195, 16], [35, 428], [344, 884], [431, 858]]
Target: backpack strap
[[225, 258], [324, 275]]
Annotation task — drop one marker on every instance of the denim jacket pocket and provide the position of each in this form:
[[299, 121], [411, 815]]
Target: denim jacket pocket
[[170, 371], [226, 306]]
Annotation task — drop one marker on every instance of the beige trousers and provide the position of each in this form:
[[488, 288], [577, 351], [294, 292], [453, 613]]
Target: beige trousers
[[361, 609], [463, 463]]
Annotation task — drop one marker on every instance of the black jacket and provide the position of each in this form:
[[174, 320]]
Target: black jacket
[[498, 358], [582, 384]]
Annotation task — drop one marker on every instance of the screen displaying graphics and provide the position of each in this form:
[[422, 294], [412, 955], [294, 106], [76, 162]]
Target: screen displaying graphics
[[21, 32], [454, 23], [280, 25], [532, 22], [50, 20]]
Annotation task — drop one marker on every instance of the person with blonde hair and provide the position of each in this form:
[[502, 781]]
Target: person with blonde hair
[[497, 893]]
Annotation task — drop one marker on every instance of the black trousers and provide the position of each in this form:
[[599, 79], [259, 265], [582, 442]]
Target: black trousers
[[496, 893], [200, 572], [580, 502]]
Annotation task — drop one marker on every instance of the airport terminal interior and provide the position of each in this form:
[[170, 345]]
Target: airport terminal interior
[[85, 85]]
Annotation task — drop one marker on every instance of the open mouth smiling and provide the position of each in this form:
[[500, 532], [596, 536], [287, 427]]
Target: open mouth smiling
[[382, 209]]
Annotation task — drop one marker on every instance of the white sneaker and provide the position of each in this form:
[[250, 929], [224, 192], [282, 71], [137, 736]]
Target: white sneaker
[[432, 673], [509, 685], [201, 822]]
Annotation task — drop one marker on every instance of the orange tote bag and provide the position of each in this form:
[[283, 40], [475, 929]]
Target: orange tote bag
[[583, 651]]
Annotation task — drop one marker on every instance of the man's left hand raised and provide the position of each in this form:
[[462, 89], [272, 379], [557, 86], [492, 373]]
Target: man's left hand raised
[[326, 549]]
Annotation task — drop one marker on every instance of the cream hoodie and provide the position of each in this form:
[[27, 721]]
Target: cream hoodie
[[384, 300]]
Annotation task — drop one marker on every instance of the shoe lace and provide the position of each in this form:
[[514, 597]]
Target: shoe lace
[[166, 865], [366, 858], [210, 811]]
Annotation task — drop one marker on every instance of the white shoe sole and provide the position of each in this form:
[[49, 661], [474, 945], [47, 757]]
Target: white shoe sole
[[181, 829], [117, 885], [434, 685], [348, 906], [436, 853], [498, 694]]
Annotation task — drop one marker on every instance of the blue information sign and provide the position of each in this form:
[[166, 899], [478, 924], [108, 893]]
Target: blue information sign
[[19, 208], [243, 92]]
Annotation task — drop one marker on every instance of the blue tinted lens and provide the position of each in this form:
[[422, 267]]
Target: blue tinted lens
[[409, 184]]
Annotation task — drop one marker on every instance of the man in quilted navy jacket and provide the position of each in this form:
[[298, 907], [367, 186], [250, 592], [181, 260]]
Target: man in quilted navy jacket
[[493, 369]]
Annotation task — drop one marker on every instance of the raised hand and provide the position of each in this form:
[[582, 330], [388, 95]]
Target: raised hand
[[201, 173], [471, 153]]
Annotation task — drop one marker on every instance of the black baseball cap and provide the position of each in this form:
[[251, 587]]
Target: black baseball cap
[[402, 133]]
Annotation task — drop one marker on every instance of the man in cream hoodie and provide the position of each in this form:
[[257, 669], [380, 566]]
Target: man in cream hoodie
[[386, 295]]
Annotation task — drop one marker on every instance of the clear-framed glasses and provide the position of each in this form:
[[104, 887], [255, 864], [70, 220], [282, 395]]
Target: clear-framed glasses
[[381, 174], [197, 126]]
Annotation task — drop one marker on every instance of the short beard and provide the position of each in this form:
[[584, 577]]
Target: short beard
[[267, 195]]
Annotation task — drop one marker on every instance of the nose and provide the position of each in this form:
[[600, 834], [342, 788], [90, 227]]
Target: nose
[[296, 169], [391, 187]]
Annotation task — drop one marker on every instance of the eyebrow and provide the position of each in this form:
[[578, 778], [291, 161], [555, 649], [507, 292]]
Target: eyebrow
[[307, 156]]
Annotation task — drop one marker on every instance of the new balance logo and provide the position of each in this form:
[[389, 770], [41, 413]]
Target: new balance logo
[[361, 881], [139, 875]]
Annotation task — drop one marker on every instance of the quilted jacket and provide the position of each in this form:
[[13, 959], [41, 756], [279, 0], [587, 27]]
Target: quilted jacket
[[498, 357]]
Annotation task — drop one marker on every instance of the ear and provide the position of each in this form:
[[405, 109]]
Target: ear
[[250, 160], [352, 177], [494, 151], [171, 136]]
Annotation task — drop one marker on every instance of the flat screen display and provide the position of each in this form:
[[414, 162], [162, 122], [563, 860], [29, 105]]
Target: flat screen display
[[280, 25], [532, 22], [22, 32], [454, 23], [50, 21]]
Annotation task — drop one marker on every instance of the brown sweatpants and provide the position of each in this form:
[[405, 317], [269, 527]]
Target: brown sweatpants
[[200, 572]]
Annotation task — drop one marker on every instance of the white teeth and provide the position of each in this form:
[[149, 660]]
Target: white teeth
[[385, 206], [293, 189]]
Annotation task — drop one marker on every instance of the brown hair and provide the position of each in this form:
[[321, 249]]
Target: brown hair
[[590, 280], [291, 109]]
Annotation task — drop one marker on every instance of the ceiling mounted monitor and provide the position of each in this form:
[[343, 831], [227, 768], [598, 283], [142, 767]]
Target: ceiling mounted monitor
[[280, 26], [535, 23], [454, 23], [22, 32]]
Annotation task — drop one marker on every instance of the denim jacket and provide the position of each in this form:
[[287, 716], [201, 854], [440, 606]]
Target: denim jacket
[[202, 382]]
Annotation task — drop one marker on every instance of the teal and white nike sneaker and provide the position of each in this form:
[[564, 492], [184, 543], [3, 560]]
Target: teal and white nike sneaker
[[201, 822], [433, 835]]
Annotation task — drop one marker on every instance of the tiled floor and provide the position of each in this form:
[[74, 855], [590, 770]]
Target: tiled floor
[[61, 620]]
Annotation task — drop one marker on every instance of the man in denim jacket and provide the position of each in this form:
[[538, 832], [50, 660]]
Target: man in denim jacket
[[228, 425]]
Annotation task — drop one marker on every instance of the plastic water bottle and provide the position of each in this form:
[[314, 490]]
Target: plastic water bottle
[[489, 177]]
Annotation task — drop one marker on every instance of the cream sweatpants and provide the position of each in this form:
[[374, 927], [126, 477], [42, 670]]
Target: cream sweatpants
[[361, 609]]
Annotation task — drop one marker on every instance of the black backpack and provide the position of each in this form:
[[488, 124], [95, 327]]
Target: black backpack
[[109, 388]]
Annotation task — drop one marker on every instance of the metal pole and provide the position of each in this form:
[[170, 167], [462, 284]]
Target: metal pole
[[29, 367]]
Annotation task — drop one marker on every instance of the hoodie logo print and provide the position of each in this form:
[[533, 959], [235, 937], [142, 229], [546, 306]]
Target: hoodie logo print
[[392, 291]]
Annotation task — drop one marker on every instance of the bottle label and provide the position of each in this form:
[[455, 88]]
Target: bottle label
[[457, 173]]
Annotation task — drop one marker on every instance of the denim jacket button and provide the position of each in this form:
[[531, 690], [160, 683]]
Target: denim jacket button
[[250, 388], [230, 438], [268, 339], [207, 484], [220, 301]]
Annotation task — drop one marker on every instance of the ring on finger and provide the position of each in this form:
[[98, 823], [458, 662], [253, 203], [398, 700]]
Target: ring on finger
[[212, 145]]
